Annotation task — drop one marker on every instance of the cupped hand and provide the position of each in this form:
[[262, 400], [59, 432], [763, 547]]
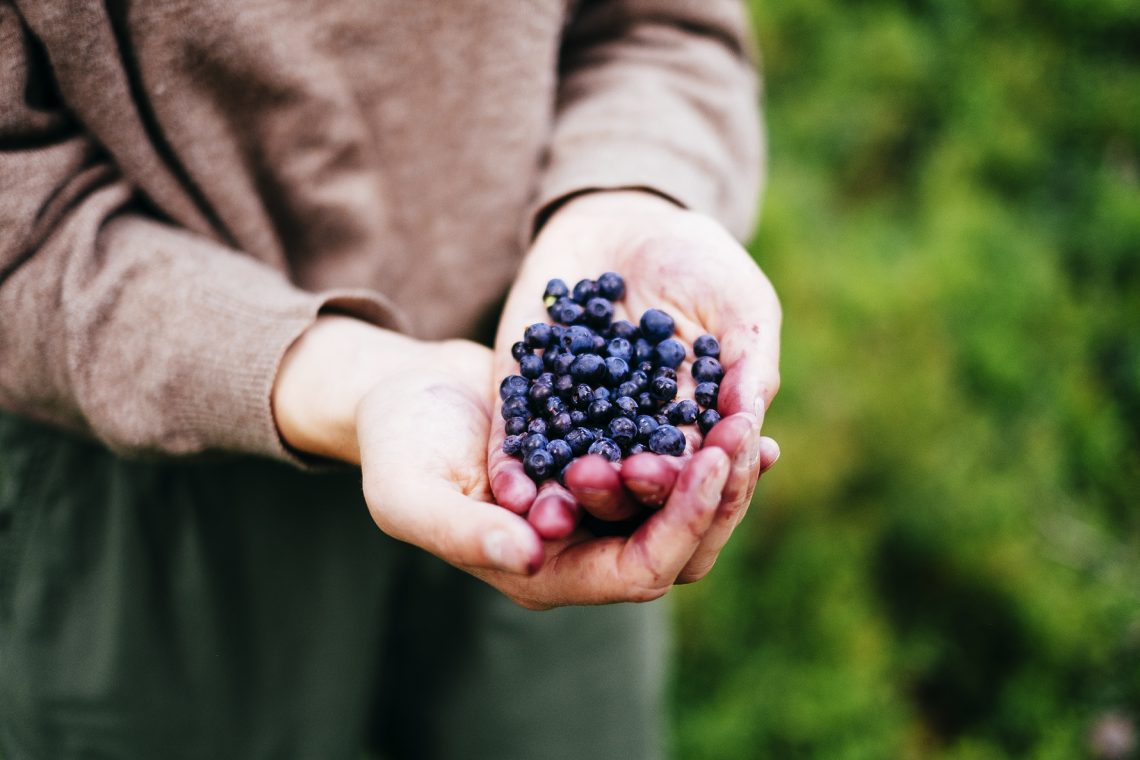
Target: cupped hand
[[688, 265]]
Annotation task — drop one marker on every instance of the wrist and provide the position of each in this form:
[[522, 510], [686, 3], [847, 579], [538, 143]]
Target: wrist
[[324, 376]]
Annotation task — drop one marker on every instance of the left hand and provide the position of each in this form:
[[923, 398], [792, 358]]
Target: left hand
[[688, 265]]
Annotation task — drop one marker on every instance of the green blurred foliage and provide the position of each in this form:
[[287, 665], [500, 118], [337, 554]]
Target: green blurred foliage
[[946, 561]]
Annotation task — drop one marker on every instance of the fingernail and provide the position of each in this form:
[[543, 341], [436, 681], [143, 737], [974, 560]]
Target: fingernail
[[771, 451], [712, 485], [502, 552], [648, 492], [749, 453], [593, 495]]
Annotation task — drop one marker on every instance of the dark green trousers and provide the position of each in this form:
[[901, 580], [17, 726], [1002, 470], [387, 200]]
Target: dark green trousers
[[241, 609]]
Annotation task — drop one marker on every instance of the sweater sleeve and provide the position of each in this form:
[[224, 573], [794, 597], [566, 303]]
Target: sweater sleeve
[[114, 323], [660, 95]]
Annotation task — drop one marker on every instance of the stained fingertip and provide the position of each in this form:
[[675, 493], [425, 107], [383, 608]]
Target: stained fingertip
[[513, 489], [650, 478], [516, 551], [555, 514]]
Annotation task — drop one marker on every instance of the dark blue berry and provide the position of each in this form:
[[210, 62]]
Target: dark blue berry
[[625, 406], [537, 335], [537, 426], [563, 386], [640, 379], [546, 378], [512, 445], [600, 411], [515, 406], [706, 394], [555, 406], [668, 372], [516, 425], [669, 353], [550, 358], [646, 367], [627, 389], [519, 350], [685, 413], [561, 452], [621, 348], [602, 393], [599, 312], [668, 407], [623, 329], [580, 440], [622, 431], [584, 290], [667, 440], [530, 366], [636, 449], [611, 286], [599, 344], [578, 418], [560, 425], [539, 465], [607, 448], [645, 425], [663, 389], [656, 325], [642, 353], [661, 419], [513, 385], [581, 396], [538, 394], [578, 340], [587, 368], [707, 370], [555, 289], [707, 419], [706, 345], [565, 311], [562, 362], [534, 442], [646, 404], [617, 370]]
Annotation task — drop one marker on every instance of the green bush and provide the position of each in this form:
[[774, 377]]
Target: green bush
[[946, 561]]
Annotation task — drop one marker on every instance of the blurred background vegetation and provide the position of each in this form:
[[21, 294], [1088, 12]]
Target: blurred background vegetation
[[946, 561]]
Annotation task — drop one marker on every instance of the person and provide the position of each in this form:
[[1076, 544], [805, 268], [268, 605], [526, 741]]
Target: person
[[246, 247]]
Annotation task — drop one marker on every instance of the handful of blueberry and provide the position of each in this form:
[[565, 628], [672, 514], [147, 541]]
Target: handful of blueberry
[[590, 385]]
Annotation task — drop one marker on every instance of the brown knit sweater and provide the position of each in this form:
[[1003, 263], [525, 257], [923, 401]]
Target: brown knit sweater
[[185, 184]]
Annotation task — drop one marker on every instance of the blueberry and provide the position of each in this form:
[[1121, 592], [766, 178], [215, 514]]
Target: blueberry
[[646, 367], [617, 370], [560, 425], [640, 379], [602, 393], [706, 394], [516, 425], [513, 385], [706, 345], [623, 329], [556, 334], [587, 368], [561, 452], [530, 366], [625, 406], [538, 394], [669, 353], [578, 418], [562, 362], [539, 465], [642, 352], [578, 339], [707, 419], [580, 440], [537, 426], [646, 404], [668, 407], [663, 389], [519, 350], [550, 358], [668, 372], [621, 348], [546, 378], [707, 370], [622, 431], [611, 286], [584, 290], [599, 344], [607, 448], [599, 312], [645, 425], [661, 419], [554, 309], [563, 386], [667, 440], [600, 411], [565, 311], [685, 413], [555, 406], [627, 389], [581, 396], [512, 445], [555, 289], [534, 442], [515, 406], [656, 325], [537, 335], [635, 449]]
